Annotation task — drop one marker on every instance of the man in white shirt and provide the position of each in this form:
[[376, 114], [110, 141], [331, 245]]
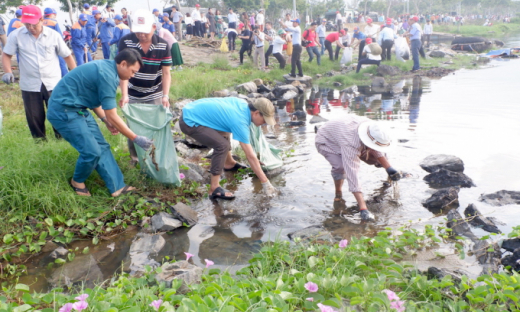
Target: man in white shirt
[[197, 19], [232, 19], [260, 19], [296, 33], [371, 31], [386, 41], [428, 31], [108, 11], [258, 40], [339, 20], [288, 20], [177, 18], [278, 43]]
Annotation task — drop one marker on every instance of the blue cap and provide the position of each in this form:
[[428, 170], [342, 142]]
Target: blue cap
[[96, 12], [18, 12], [118, 17], [86, 5], [155, 10], [49, 11], [296, 20], [166, 15], [83, 17]]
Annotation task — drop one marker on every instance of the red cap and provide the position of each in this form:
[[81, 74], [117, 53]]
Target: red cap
[[342, 32], [197, 5], [368, 40], [369, 20], [388, 21], [31, 14], [415, 18]]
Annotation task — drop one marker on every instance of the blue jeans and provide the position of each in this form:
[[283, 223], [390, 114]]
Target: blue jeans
[[322, 42], [82, 132], [311, 50], [106, 50], [416, 46]]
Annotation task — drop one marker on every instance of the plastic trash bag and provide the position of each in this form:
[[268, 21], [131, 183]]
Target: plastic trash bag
[[154, 122], [402, 51], [113, 51], [268, 154], [223, 46], [347, 56]]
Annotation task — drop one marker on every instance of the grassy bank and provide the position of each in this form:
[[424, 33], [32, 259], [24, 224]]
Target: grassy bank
[[365, 274], [495, 31]]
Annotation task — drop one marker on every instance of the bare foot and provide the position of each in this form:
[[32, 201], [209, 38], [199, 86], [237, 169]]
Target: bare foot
[[339, 197], [80, 188], [124, 190]]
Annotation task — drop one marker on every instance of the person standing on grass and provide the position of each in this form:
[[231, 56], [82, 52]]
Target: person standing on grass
[[189, 26], [197, 19], [86, 9], [127, 20], [38, 74], [334, 38], [371, 54], [176, 18], [245, 36], [212, 24], [258, 40], [371, 31], [321, 31], [345, 41], [252, 20], [269, 36], [120, 30], [232, 19], [260, 20], [386, 41], [360, 37], [232, 36], [92, 28], [158, 16], [278, 43], [296, 34], [3, 34], [106, 33], [51, 22], [344, 143], [151, 84], [93, 86], [428, 31], [339, 20], [288, 21], [415, 34], [211, 121], [312, 46]]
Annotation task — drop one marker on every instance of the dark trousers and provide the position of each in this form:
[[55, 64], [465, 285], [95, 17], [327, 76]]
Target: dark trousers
[[279, 57], [295, 60], [361, 47], [311, 50], [328, 46], [243, 49], [366, 61], [338, 48], [217, 140], [267, 54], [232, 25], [196, 29], [231, 41], [386, 46], [35, 104], [426, 40]]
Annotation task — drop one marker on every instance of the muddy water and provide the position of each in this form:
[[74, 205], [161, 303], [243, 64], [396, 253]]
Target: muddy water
[[472, 114]]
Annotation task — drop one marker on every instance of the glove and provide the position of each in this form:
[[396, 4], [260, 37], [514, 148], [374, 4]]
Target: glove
[[8, 78], [394, 174], [366, 215], [143, 142], [268, 189]]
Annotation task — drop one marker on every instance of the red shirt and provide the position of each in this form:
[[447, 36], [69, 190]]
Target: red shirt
[[332, 37], [311, 36]]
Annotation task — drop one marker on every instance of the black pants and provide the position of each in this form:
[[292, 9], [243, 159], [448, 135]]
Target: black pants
[[196, 30], [328, 46], [231, 40], [35, 104], [295, 60], [366, 61], [338, 48], [267, 54], [386, 46], [279, 57], [243, 49], [361, 47], [232, 25]]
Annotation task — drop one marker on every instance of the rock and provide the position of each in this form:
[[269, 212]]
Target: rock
[[258, 82], [233, 93], [501, 198], [512, 260], [274, 172], [331, 73], [490, 260], [221, 93], [180, 105], [254, 95], [316, 119], [183, 270], [192, 175], [279, 91], [49, 246], [459, 225], [351, 90], [443, 199], [83, 271], [270, 96], [433, 163], [306, 80], [164, 222], [182, 149], [243, 97], [439, 274], [142, 247], [478, 220], [319, 76], [59, 252], [511, 244], [445, 178], [387, 70], [299, 114], [246, 88], [184, 213], [295, 123], [437, 53], [289, 95], [312, 234], [498, 43], [336, 84], [296, 83], [263, 88], [192, 142], [379, 84]]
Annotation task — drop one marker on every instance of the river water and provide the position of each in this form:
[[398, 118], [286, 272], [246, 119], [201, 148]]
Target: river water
[[473, 114]]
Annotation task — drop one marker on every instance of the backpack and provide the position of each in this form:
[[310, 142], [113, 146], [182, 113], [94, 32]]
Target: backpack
[[306, 42], [375, 49]]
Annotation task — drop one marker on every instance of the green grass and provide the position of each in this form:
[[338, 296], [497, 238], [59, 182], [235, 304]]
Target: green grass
[[496, 31]]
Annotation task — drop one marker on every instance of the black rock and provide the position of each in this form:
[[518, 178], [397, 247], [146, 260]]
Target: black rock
[[511, 244], [489, 260], [478, 220], [439, 274], [295, 123], [501, 198], [433, 163], [299, 114], [446, 198], [387, 70], [446, 178], [279, 91], [263, 88], [459, 225], [337, 84], [512, 260], [437, 53]]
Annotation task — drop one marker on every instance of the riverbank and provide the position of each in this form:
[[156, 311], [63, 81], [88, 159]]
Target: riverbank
[[498, 30]]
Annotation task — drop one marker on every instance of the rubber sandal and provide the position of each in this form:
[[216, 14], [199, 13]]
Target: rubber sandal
[[221, 193], [236, 167], [80, 190], [126, 191]]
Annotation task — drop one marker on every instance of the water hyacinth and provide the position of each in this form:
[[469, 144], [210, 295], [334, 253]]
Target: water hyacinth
[[66, 308], [343, 243], [209, 263], [156, 304], [80, 305], [82, 297], [311, 287], [188, 256], [324, 308]]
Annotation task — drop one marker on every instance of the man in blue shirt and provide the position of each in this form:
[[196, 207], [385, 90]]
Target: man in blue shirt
[[93, 86], [361, 38], [15, 23], [78, 40], [415, 34], [92, 28], [211, 121], [321, 31], [120, 30], [51, 22], [106, 32], [167, 24]]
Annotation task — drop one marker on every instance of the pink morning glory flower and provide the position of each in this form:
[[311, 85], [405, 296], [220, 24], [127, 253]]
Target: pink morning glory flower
[[156, 304], [188, 256], [397, 305], [343, 243], [324, 308], [80, 306], [209, 263], [82, 297], [181, 175], [311, 287], [391, 295], [310, 299], [66, 308]]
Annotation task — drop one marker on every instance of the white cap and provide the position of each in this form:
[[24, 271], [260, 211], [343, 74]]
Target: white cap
[[374, 136], [142, 21]]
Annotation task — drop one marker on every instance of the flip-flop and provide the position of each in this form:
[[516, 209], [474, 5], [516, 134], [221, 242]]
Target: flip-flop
[[236, 167], [126, 191], [80, 190], [221, 193]]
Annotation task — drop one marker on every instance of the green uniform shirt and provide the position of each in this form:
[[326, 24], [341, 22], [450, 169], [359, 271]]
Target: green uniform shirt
[[87, 86]]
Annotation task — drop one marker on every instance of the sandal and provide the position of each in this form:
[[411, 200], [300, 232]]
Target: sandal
[[221, 193], [126, 191], [339, 197], [80, 190], [236, 167]]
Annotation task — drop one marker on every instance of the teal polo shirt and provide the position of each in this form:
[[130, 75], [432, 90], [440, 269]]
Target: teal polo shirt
[[87, 86], [223, 114]]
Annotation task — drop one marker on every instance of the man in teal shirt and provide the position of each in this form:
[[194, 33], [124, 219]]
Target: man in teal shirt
[[93, 86], [211, 121]]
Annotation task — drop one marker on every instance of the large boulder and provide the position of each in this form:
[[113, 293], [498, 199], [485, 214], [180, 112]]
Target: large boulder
[[501, 198], [379, 85], [437, 53], [312, 234], [387, 70], [511, 244], [83, 271], [246, 88], [306, 80], [433, 163], [183, 270], [443, 199], [445, 178], [478, 220], [258, 82], [279, 91], [289, 95]]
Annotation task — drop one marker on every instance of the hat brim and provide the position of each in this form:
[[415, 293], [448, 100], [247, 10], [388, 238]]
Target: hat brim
[[270, 120], [142, 28], [30, 20], [363, 135]]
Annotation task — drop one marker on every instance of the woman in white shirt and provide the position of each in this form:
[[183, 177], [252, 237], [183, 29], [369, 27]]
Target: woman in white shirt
[[372, 56]]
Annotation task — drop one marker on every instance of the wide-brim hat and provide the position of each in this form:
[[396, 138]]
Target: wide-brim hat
[[374, 136]]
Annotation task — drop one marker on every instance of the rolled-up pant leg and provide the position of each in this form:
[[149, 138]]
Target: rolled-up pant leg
[[337, 171]]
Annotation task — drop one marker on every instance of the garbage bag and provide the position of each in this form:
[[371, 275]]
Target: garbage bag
[[266, 153], [402, 51], [153, 121], [223, 46], [347, 56], [113, 51]]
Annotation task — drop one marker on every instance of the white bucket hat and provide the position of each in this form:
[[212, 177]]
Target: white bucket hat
[[374, 136]]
